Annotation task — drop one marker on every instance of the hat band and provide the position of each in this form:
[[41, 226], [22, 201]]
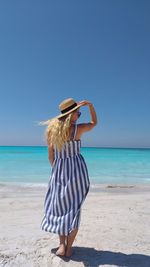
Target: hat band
[[69, 108]]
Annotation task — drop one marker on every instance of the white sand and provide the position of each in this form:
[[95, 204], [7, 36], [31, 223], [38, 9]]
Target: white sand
[[114, 229]]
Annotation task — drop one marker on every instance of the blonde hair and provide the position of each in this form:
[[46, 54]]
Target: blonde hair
[[57, 131]]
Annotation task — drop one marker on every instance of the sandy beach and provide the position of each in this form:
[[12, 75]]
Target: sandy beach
[[114, 229]]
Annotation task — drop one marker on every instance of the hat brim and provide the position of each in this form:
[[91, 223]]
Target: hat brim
[[70, 111]]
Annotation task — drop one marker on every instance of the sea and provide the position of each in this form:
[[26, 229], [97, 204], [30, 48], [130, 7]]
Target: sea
[[30, 165]]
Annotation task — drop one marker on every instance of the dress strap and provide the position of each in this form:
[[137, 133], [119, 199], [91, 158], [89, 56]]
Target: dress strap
[[75, 130], [72, 133]]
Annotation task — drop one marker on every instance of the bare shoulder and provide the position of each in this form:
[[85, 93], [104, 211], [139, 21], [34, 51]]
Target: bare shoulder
[[50, 146], [84, 127]]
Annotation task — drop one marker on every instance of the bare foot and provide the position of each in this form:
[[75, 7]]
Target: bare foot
[[61, 250], [69, 252]]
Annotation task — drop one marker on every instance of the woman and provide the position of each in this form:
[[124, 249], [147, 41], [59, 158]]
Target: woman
[[69, 183]]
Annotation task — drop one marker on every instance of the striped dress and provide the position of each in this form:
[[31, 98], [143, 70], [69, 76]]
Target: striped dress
[[67, 189]]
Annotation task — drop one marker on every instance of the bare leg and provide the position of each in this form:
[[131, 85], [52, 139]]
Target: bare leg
[[70, 240], [61, 249]]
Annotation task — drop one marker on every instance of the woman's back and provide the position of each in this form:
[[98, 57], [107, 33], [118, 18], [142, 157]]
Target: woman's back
[[70, 148]]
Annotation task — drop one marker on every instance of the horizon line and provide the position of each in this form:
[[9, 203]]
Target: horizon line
[[81, 147]]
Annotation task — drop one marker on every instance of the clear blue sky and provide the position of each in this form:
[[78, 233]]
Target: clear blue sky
[[95, 50]]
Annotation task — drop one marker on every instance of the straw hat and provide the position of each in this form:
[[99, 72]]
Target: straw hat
[[67, 106]]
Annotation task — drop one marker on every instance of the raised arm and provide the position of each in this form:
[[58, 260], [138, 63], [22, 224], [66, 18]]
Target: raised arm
[[84, 127]]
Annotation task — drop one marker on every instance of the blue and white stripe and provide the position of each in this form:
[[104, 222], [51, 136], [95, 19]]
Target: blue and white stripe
[[67, 189]]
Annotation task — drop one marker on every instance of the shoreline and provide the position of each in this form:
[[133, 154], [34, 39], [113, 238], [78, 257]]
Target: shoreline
[[95, 188]]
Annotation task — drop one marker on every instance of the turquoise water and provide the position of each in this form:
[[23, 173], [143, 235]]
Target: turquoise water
[[30, 164]]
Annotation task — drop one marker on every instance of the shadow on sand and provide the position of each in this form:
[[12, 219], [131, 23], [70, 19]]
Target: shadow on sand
[[91, 257]]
